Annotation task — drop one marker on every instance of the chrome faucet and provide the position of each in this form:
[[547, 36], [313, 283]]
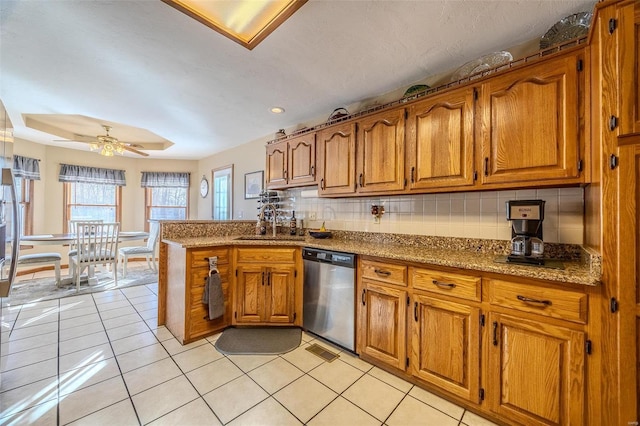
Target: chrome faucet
[[273, 217]]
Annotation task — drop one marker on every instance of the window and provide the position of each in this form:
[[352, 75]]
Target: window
[[24, 193], [92, 201], [91, 193], [222, 199], [166, 196], [25, 171]]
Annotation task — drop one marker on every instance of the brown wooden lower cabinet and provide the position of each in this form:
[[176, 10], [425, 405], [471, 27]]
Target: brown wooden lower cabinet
[[185, 314], [265, 294], [536, 371], [445, 345], [512, 349], [382, 323], [268, 287]]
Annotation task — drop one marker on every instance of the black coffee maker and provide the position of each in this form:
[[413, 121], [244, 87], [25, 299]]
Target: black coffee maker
[[526, 218]]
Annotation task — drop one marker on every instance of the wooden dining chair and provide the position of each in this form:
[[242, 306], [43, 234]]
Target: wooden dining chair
[[148, 251], [72, 227], [96, 244]]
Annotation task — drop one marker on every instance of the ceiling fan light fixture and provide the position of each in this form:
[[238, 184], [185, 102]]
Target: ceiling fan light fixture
[[107, 145]]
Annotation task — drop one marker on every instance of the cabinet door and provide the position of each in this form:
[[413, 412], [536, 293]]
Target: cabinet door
[[531, 123], [336, 150], [280, 294], [380, 152], [383, 318], [536, 371], [250, 287], [276, 167], [628, 53], [302, 160], [440, 141], [445, 345]]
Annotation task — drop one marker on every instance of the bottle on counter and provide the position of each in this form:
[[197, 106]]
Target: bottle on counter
[[292, 224]]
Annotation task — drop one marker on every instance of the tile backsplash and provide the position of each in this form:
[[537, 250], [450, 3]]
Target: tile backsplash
[[462, 214]]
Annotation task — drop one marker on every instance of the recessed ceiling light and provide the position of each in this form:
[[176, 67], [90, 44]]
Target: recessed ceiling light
[[276, 110]]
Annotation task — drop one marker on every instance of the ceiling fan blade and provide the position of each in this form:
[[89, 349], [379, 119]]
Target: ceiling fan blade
[[135, 151], [78, 138]]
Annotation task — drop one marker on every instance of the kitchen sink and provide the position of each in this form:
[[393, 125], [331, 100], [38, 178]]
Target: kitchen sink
[[270, 238]]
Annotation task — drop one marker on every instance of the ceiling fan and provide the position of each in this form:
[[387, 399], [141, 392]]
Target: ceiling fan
[[106, 144]]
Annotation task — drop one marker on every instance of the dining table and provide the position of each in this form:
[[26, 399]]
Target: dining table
[[67, 239], [64, 239]]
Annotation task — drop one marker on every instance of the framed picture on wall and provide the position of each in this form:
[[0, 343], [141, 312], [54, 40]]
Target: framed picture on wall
[[253, 184]]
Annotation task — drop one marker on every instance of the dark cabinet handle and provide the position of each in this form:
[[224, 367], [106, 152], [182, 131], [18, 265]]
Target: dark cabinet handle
[[486, 166], [268, 278], [444, 285], [529, 300], [413, 170], [263, 278], [361, 180], [322, 184], [364, 292], [415, 311], [613, 122], [313, 171], [381, 272], [495, 333]]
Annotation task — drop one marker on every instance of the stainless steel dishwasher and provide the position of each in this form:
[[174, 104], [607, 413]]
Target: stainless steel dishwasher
[[329, 295]]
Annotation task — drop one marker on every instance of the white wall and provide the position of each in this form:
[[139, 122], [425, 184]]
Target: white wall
[[246, 158], [48, 201]]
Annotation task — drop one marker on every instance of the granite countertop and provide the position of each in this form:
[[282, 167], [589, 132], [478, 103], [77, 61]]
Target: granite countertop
[[576, 271]]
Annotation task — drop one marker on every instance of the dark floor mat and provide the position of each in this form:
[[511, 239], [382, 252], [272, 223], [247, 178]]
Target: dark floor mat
[[259, 340]]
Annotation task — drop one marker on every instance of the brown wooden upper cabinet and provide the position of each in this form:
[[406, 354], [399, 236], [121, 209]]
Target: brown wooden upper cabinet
[[336, 149], [292, 162], [625, 27], [531, 123], [440, 141], [380, 152]]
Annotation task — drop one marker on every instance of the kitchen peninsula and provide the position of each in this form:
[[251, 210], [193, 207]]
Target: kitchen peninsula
[[412, 292]]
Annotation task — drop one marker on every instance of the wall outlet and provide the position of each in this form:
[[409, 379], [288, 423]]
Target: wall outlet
[[313, 216], [376, 220]]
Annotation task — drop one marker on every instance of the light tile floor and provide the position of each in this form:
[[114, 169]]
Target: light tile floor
[[101, 359]]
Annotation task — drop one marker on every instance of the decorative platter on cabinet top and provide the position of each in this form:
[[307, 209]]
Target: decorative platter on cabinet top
[[484, 63], [568, 28]]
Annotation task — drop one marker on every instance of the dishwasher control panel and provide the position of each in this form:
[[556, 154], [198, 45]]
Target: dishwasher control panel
[[327, 256]]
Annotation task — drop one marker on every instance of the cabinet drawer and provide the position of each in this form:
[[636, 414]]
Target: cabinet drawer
[[451, 284], [199, 276], [200, 257], [553, 302], [266, 254], [197, 292], [199, 324], [384, 272]]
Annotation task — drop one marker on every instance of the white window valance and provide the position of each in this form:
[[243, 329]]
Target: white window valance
[[165, 180], [83, 174]]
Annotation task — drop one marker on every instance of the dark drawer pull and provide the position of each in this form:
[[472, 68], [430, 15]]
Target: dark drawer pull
[[529, 300], [381, 272], [444, 285], [364, 294], [415, 311], [495, 333]]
